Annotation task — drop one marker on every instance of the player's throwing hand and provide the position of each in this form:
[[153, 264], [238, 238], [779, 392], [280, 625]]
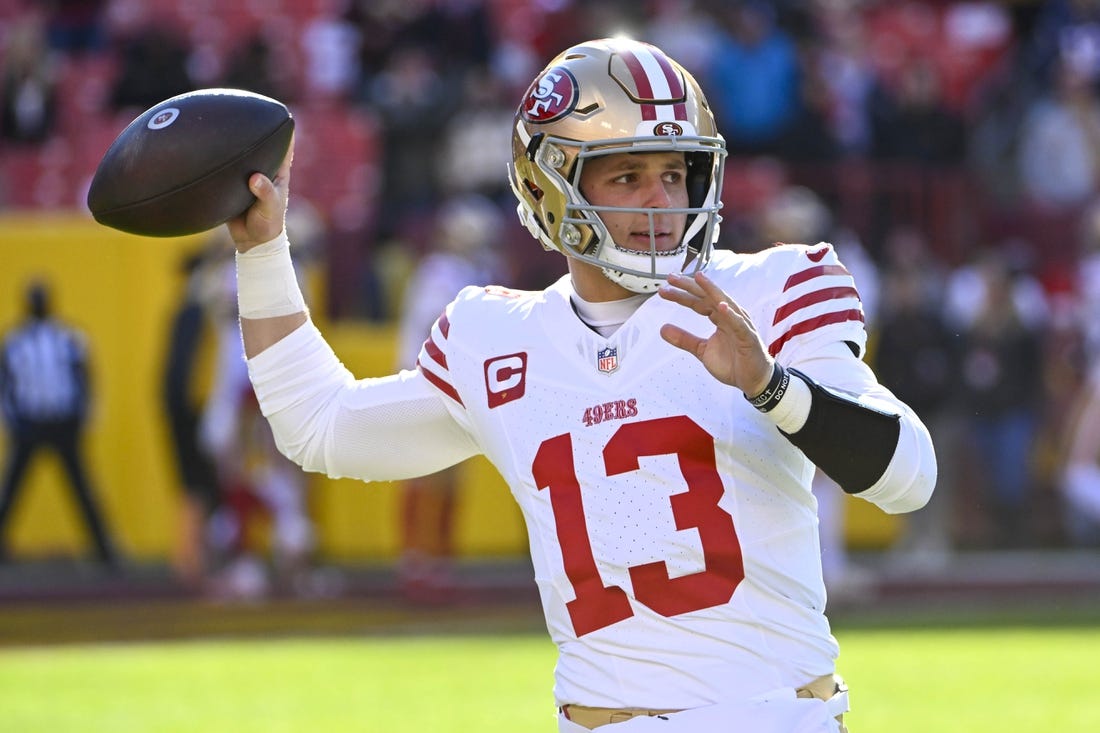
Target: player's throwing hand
[[264, 220]]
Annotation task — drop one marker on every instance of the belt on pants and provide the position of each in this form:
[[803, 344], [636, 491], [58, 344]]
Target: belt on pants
[[822, 688]]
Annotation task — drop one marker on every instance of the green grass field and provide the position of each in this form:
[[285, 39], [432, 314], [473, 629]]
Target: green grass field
[[973, 680]]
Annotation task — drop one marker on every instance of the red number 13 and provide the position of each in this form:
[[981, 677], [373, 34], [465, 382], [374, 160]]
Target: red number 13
[[597, 605]]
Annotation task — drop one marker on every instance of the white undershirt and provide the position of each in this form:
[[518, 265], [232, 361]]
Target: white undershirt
[[606, 317]]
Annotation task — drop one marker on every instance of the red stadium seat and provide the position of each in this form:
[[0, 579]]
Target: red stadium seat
[[37, 177], [83, 88]]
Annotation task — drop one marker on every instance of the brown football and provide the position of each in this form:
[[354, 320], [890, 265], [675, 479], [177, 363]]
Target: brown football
[[182, 167]]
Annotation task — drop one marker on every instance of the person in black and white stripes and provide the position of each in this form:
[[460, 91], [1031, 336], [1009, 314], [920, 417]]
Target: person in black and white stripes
[[44, 398]]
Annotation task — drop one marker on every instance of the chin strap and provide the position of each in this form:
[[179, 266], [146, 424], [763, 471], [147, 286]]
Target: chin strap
[[633, 283]]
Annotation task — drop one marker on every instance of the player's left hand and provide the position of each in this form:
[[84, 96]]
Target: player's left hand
[[734, 353]]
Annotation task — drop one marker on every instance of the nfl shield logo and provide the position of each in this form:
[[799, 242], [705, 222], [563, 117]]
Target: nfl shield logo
[[607, 360]]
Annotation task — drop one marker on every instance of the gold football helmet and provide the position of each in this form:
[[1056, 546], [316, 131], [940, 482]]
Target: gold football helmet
[[613, 96]]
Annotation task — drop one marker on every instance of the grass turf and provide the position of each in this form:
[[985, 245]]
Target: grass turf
[[997, 679]]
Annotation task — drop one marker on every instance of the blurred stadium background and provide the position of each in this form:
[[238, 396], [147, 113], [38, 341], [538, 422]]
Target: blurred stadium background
[[910, 133]]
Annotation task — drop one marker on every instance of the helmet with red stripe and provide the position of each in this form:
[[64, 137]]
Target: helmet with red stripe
[[614, 96]]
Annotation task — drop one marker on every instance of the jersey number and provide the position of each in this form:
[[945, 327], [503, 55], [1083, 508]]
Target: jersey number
[[597, 605]]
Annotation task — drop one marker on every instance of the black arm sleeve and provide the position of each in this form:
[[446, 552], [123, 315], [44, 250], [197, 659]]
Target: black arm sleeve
[[851, 442]]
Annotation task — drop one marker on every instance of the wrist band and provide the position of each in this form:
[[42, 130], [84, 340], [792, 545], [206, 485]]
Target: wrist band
[[267, 285], [773, 393], [791, 412]]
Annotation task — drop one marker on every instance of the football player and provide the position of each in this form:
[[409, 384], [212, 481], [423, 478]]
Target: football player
[[657, 413]]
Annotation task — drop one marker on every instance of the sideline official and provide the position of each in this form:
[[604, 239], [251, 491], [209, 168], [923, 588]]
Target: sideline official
[[44, 399]]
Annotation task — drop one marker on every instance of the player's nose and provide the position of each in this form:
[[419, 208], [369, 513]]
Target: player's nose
[[656, 194]]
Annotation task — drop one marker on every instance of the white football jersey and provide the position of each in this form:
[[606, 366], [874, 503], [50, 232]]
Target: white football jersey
[[672, 527]]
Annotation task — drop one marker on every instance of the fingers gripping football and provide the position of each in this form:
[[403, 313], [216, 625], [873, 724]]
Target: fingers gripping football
[[265, 219], [734, 353]]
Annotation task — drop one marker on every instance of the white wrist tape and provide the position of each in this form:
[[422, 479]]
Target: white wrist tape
[[794, 408], [267, 285]]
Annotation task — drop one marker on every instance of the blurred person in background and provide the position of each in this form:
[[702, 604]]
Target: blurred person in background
[[916, 356], [331, 45], [966, 289], [76, 26], [464, 253], [1079, 479], [413, 102], [664, 476], [153, 66], [1059, 140], [913, 123], [1001, 382], [45, 396], [846, 69], [686, 30], [810, 138], [183, 404], [1056, 25], [1087, 285], [754, 72], [252, 67], [1076, 437], [257, 482], [28, 88], [475, 138]]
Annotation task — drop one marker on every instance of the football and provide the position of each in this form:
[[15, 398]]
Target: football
[[182, 167]]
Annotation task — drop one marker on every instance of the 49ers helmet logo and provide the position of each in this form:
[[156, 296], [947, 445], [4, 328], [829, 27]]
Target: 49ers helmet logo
[[668, 129], [552, 96]]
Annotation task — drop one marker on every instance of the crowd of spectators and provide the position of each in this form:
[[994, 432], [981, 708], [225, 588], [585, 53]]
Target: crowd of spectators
[[954, 145]]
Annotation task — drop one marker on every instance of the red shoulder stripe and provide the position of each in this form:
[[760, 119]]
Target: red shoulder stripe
[[440, 384], [817, 296], [436, 353], [812, 324], [444, 324], [811, 272]]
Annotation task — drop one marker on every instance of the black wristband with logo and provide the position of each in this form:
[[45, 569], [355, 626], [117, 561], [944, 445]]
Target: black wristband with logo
[[773, 393]]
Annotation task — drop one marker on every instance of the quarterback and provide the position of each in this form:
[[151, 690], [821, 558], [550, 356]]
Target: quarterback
[[658, 412]]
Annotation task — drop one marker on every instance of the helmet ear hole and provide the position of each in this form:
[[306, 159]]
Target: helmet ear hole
[[535, 192], [698, 178]]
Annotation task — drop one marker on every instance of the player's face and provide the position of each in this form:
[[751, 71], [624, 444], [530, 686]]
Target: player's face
[[644, 181]]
